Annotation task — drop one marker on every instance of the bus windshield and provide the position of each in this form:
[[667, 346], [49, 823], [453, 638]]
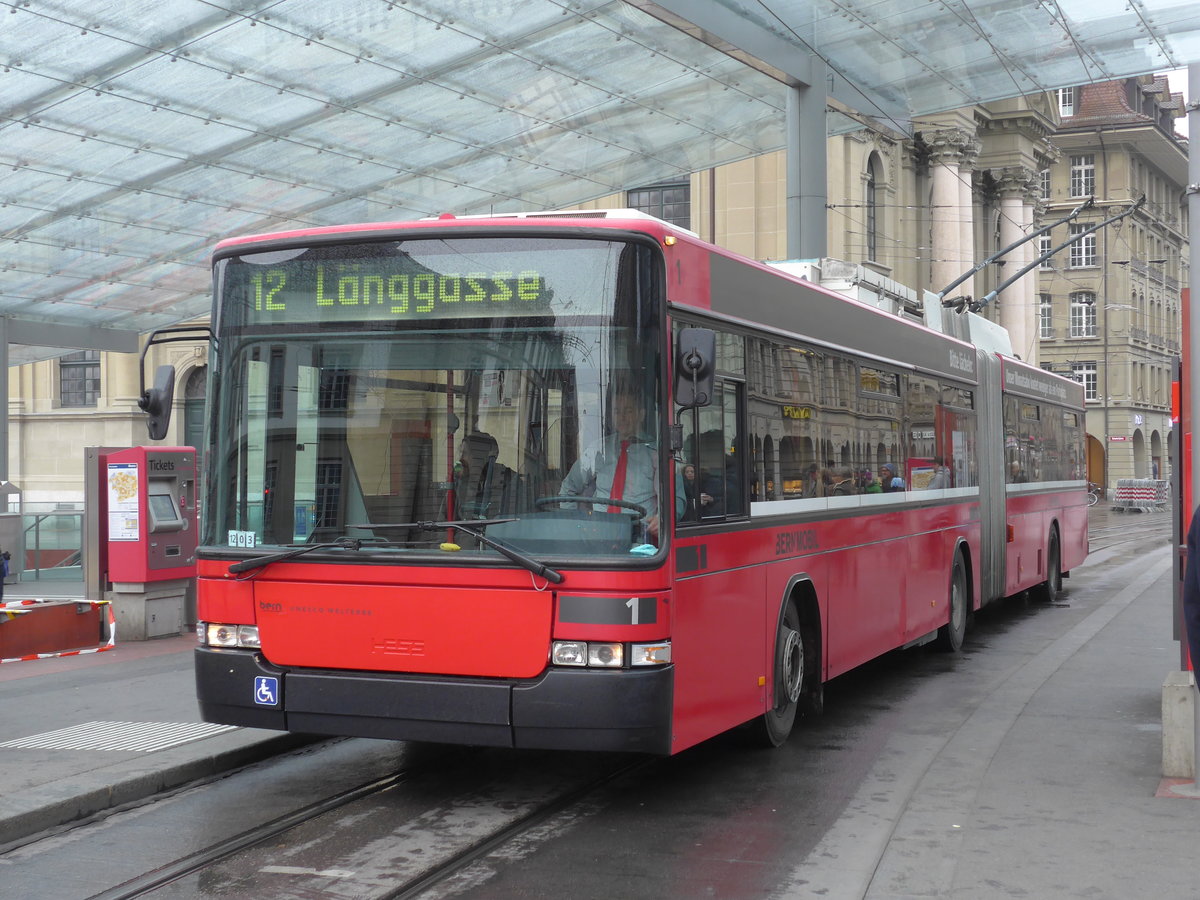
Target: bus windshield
[[376, 393]]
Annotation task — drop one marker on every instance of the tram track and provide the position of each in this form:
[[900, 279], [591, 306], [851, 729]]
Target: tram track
[[149, 882], [246, 854], [1117, 541], [1110, 530], [470, 855]]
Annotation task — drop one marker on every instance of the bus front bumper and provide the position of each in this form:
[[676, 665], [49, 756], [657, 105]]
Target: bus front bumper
[[562, 709]]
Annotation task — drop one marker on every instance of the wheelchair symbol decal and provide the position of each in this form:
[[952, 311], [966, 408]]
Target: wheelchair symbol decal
[[266, 691]]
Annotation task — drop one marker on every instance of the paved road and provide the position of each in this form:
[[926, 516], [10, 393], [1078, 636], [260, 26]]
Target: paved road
[[1026, 766]]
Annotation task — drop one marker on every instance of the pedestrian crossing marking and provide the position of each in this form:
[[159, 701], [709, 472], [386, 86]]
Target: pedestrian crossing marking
[[138, 737]]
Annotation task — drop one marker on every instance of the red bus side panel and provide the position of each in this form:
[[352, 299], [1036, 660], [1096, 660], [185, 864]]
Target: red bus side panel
[[1074, 535], [862, 569], [865, 603], [719, 648], [1030, 517]]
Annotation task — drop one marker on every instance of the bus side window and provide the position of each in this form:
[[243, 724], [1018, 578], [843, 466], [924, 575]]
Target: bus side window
[[721, 471], [713, 447]]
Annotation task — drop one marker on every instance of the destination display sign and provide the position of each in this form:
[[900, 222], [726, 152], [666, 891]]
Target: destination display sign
[[378, 289], [1041, 385]]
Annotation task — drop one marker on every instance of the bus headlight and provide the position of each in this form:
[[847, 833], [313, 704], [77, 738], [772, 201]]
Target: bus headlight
[[606, 655], [213, 634], [569, 653], [609, 655]]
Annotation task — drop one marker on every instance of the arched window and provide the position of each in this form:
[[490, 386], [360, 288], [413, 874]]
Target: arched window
[[194, 391]]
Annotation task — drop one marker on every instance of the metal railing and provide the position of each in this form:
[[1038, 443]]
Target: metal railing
[[53, 547]]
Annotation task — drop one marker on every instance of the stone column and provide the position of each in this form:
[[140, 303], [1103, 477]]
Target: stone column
[[952, 151], [1029, 217], [967, 257], [1018, 311], [123, 374]]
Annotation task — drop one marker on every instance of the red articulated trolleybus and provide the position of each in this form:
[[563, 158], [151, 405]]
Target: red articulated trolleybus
[[411, 529]]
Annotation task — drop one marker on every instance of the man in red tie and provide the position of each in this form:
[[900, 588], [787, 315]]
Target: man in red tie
[[621, 466]]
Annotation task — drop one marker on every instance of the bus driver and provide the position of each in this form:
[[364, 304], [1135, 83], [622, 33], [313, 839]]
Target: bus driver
[[623, 465]]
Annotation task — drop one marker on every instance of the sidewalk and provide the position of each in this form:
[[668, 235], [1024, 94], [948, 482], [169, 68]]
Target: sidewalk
[[1051, 786], [82, 734]]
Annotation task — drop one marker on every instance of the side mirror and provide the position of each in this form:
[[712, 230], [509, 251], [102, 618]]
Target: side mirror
[[695, 366], [156, 402]]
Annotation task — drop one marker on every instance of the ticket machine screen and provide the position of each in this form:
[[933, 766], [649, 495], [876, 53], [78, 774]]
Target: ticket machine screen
[[164, 511]]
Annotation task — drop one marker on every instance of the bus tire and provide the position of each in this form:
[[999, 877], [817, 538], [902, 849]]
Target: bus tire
[[797, 685], [776, 723], [950, 636], [1048, 590]]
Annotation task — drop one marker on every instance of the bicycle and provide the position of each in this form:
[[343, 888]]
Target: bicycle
[[1095, 492]]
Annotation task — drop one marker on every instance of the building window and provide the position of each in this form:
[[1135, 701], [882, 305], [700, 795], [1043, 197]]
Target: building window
[[1083, 175], [1045, 245], [79, 378], [1046, 315], [1083, 314], [329, 493], [670, 202], [1044, 184], [1085, 374], [1083, 251], [871, 203], [1066, 102], [195, 389]]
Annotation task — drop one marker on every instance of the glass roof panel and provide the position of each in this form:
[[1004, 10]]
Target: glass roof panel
[[137, 133]]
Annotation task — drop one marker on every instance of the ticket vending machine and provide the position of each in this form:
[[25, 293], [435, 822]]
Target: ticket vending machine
[[149, 501]]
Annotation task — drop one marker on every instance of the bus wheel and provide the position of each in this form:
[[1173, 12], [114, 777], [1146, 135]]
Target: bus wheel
[[950, 636], [1047, 591], [776, 723]]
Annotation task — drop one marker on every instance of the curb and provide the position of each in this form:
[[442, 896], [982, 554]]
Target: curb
[[30, 814]]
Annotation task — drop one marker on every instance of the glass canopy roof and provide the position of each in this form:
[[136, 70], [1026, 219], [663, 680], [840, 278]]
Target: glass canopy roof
[[136, 133]]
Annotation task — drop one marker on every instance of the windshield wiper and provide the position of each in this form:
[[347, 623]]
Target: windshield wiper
[[470, 527], [258, 562]]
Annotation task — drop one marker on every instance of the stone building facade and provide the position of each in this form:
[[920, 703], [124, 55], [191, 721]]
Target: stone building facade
[[1110, 306]]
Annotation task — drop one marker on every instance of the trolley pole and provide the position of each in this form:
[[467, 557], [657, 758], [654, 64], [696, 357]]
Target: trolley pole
[[1192, 354], [1193, 332]]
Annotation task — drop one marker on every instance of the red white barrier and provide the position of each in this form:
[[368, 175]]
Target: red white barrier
[[1142, 494], [14, 608]]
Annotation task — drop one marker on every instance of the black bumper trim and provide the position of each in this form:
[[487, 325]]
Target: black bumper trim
[[562, 709]]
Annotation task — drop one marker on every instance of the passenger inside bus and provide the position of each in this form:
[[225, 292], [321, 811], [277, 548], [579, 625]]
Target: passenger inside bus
[[941, 475], [696, 501], [868, 483], [842, 484], [889, 480], [475, 476]]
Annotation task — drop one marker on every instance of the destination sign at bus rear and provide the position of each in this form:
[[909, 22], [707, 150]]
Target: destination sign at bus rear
[[378, 289]]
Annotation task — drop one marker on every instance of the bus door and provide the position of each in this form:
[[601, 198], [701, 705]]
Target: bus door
[[719, 634]]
